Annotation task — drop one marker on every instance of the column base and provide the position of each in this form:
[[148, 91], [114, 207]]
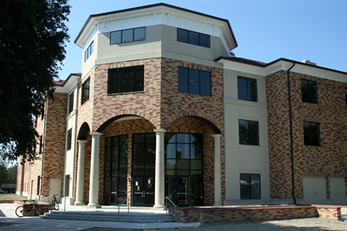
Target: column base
[[79, 203], [159, 207], [93, 206]]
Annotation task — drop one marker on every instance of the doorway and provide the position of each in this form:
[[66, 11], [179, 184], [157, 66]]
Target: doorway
[[143, 169]]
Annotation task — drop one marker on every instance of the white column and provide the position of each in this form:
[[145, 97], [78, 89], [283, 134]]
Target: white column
[[159, 192], [94, 171], [80, 172], [217, 171]]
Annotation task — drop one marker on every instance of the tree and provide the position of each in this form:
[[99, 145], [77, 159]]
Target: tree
[[32, 36]]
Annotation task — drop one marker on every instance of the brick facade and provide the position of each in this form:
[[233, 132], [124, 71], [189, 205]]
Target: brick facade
[[325, 160]]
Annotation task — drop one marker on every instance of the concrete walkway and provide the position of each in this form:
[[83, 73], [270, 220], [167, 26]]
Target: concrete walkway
[[14, 223]]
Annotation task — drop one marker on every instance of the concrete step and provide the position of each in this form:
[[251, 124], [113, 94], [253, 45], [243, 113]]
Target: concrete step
[[109, 216]]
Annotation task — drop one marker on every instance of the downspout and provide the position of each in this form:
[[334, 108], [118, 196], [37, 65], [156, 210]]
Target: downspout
[[291, 133], [43, 147]]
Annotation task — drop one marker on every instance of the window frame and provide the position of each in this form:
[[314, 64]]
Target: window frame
[[250, 186], [85, 91], [69, 140], [249, 138], [189, 41], [122, 72], [305, 92], [133, 35], [89, 51], [249, 95], [313, 141], [71, 102], [188, 86]]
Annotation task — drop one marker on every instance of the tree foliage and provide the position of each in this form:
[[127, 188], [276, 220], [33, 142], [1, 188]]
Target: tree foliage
[[32, 37]]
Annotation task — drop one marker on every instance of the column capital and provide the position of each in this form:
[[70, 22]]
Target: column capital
[[82, 141], [160, 130], [95, 133], [216, 135]]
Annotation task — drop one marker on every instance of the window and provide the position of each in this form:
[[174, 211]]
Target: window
[[41, 145], [250, 186], [249, 132], [71, 98], [309, 91], [126, 79], [67, 185], [247, 89], [192, 37], [69, 139], [89, 51], [194, 81], [311, 133], [85, 91], [128, 35]]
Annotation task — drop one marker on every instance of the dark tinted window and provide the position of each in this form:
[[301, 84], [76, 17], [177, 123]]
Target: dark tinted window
[[247, 89], [85, 91], [69, 139], [309, 91], [183, 80], [128, 35], [182, 35], [193, 37], [311, 133], [139, 34], [71, 99], [194, 81], [249, 132], [116, 37], [250, 186], [89, 51], [126, 79]]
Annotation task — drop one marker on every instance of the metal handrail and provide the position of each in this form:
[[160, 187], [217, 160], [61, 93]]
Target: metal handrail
[[172, 203], [127, 203]]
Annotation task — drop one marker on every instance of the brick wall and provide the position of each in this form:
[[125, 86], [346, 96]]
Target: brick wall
[[325, 160], [225, 214]]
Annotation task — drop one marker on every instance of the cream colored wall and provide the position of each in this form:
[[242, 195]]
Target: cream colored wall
[[244, 158], [171, 48], [161, 41], [69, 154], [90, 62]]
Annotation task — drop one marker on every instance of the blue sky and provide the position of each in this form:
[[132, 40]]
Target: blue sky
[[264, 29]]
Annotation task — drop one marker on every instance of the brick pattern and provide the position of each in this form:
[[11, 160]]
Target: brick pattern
[[226, 214], [325, 160], [159, 103], [329, 212], [54, 148]]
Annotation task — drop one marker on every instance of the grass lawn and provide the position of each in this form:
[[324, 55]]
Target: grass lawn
[[11, 196]]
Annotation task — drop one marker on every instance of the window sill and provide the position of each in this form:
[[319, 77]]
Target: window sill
[[126, 93]]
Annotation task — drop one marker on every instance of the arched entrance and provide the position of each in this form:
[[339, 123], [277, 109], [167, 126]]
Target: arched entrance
[[189, 161], [127, 151]]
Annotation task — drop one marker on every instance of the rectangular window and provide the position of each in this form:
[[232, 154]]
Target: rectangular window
[[69, 139], [128, 35], [311, 133], [194, 81], [126, 79], [41, 145], [193, 37], [247, 89], [250, 186], [71, 100], [67, 185], [85, 91], [89, 51], [309, 91], [249, 132]]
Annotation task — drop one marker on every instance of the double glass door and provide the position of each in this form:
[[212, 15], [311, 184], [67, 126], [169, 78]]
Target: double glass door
[[143, 168], [116, 170]]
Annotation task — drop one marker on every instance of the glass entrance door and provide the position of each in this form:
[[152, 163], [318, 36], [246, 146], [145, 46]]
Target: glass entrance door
[[143, 165], [143, 191]]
